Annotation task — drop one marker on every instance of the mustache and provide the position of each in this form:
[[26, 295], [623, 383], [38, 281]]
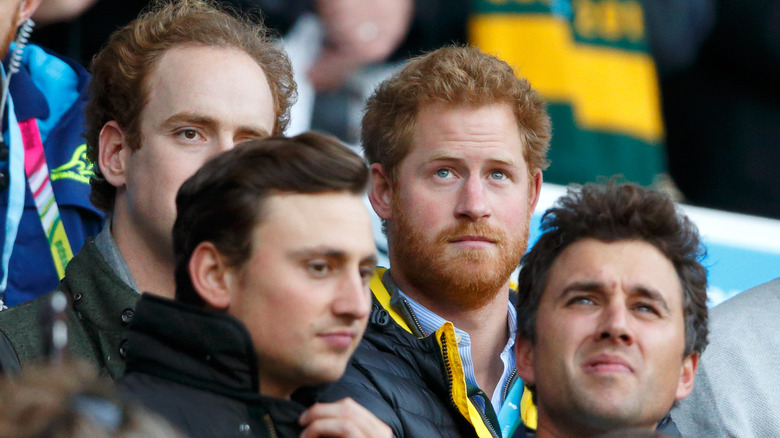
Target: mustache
[[480, 229]]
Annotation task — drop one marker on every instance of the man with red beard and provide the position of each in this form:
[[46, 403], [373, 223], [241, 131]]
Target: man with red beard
[[457, 144]]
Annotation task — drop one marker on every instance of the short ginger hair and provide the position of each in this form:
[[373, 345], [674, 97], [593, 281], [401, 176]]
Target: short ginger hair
[[458, 76]]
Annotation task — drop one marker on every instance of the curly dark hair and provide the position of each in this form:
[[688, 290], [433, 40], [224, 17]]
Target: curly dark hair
[[119, 88], [613, 212]]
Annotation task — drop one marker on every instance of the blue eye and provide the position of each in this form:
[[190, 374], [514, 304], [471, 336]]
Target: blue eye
[[443, 173], [497, 174], [582, 300], [646, 308]]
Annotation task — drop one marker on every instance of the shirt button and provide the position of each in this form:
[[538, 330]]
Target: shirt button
[[123, 349], [244, 428], [3, 181], [127, 316]]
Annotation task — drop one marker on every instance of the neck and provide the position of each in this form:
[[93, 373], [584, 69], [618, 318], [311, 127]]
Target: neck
[[270, 387], [549, 428], [152, 269], [487, 327]]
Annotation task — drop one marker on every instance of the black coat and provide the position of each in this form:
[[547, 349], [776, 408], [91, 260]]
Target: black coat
[[198, 370], [402, 379]]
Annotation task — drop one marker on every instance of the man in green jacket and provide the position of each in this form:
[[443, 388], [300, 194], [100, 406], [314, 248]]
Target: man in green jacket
[[162, 103]]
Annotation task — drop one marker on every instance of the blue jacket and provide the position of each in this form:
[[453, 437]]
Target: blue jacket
[[52, 90]]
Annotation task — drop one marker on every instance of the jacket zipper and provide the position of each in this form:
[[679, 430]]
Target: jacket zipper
[[508, 385], [485, 420], [269, 424], [448, 368], [414, 318]]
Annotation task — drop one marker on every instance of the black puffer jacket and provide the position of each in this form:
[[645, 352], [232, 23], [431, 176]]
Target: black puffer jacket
[[410, 383], [198, 370]]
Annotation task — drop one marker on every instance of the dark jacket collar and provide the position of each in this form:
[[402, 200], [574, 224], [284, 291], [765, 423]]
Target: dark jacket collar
[[192, 346]]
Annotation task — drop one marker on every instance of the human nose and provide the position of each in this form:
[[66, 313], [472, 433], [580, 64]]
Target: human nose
[[472, 201], [615, 325], [226, 142], [353, 300]]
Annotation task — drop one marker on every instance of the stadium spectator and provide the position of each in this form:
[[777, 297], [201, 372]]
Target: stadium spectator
[[274, 253], [162, 102], [612, 314], [457, 145]]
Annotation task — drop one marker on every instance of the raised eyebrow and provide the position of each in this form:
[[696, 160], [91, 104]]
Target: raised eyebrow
[[587, 286], [502, 162], [188, 117], [443, 158]]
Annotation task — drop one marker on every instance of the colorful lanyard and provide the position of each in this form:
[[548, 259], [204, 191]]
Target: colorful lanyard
[[26, 152], [40, 186], [15, 192]]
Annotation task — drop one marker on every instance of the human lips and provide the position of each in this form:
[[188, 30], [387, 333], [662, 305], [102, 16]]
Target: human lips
[[339, 339], [608, 364], [473, 241]]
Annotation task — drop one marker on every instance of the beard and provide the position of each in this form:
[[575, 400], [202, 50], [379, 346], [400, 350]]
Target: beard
[[466, 278]]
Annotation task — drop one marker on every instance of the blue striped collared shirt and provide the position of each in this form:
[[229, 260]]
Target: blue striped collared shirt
[[430, 322]]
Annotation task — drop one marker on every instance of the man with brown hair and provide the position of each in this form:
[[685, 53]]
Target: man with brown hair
[[457, 145], [176, 86], [612, 315], [274, 253]]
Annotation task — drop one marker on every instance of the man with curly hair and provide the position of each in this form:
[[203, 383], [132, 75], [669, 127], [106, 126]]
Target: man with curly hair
[[612, 315]]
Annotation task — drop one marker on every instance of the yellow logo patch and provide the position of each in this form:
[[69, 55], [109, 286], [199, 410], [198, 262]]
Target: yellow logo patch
[[77, 169]]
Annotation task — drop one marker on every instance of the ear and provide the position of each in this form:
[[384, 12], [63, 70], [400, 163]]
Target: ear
[[112, 153], [211, 278], [524, 360], [381, 193], [687, 376], [26, 9], [536, 188]]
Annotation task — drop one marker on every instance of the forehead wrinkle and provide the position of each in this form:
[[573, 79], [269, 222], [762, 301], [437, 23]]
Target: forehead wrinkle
[[448, 155]]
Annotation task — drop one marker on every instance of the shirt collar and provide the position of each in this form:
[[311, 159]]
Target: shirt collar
[[106, 244]]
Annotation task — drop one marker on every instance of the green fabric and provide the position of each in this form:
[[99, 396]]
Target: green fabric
[[95, 326], [582, 149], [579, 155]]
